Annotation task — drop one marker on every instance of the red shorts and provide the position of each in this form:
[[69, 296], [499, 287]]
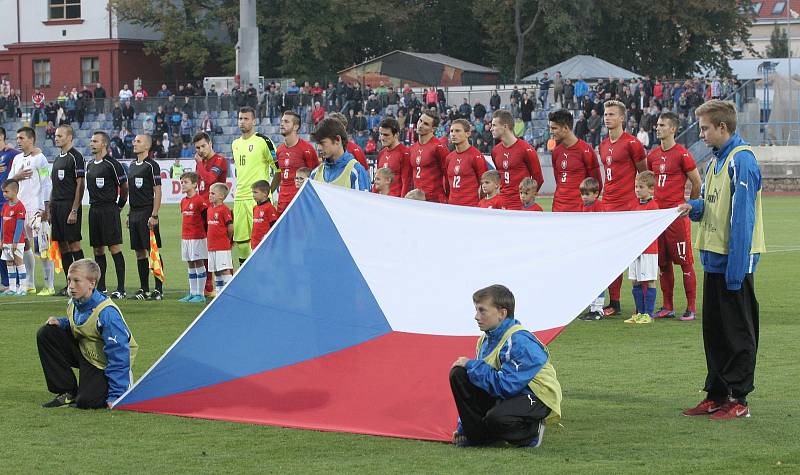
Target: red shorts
[[675, 243]]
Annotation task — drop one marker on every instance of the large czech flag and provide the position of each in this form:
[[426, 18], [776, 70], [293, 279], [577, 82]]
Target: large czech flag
[[350, 313]]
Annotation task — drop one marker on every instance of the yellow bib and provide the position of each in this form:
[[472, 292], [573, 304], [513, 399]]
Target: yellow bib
[[90, 341], [715, 225], [544, 385], [341, 180]]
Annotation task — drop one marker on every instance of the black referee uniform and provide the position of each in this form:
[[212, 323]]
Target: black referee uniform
[[143, 177], [67, 168], [104, 180]]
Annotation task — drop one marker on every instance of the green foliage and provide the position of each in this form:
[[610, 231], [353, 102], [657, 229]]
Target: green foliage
[[778, 43], [623, 389]]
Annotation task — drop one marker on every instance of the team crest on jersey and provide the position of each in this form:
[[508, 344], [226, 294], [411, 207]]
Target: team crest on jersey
[[99, 182], [608, 159], [191, 205], [250, 148], [457, 169], [286, 162], [61, 174], [419, 159], [138, 181], [505, 164], [563, 164], [261, 215], [216, 215], [663, 167]]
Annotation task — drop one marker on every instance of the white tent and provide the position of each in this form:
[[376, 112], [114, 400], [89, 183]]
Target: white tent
[[590, 67]]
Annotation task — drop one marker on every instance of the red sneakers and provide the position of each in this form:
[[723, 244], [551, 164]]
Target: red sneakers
[[731, 409], [706, 407]]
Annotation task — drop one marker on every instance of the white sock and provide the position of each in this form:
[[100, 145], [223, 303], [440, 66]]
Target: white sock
[[218, 283], [191, 281], [29, 260], [12, 277], [597, 304], [49, 271], [200, 280], [226, 278], [21, 274]]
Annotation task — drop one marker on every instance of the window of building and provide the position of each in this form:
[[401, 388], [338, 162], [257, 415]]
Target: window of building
[[65, 9], [41, 73], [756, 8], [90, 70], [778, 8]]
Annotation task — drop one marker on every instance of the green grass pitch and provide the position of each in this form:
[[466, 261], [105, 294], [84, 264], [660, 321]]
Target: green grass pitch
[[624, 387]]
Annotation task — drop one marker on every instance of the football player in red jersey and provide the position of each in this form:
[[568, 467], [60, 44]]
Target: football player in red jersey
[[351, 146], [513, 158], [465, 167], [210, 166], [672, 165], [427, 158], [394, 156], [292, 154], [623, 156], [573, 161]]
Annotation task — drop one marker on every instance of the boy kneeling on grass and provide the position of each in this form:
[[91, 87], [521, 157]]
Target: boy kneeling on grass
[[510, 389], [94, 338]]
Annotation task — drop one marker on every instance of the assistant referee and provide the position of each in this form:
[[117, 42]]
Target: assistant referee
[[108, 191]]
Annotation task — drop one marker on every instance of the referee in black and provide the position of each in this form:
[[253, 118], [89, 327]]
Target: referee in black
[[65, 199], [144, 178], [107, 184]]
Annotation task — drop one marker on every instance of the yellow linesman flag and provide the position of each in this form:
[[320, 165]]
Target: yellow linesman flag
[[55, 256], [155, 258]]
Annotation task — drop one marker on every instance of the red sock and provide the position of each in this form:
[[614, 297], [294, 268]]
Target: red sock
[[667, 278], [209, 280], [690, 286], [614, 288]]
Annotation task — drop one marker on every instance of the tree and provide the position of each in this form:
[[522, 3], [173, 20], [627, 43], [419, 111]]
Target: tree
[[189, 30], [778, 43]]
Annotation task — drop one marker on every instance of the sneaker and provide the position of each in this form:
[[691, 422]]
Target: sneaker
[[592, 316], [612, 309], [185, 298], [30, 290], [210, 295], [62, 400], [46, 292], [21, 293], [706, 407], [644, 318], [664, 313], [633, 318], [118, 294], [731, 409], [63, 292], [460, 440], [155, 295], [537, 441], [139, 295], [687, 316], [9, 293], [197, 299]]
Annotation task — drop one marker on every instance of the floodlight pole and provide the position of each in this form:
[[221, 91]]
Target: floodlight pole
[[247, 64]]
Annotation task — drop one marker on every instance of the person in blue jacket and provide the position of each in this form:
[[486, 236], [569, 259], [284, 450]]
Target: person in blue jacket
[[510, 389], [338, 167], [731, 239], [93, 338]]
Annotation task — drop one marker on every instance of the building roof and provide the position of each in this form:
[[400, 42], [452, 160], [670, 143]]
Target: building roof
[[436, 58], [769, 11], [590, 67]]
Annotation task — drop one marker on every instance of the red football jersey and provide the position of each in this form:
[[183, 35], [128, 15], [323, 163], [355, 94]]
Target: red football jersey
[[498, 202], [357, 152], [572, 165], [596, 207], [264, 215], [396, 159], [648, 205], [464, 171], [219, 217], [515, 163], [302, 154], [191, 209], [213, 170], [620, 159], [671, 168], [533, 207], [427, 163], [11, 214]]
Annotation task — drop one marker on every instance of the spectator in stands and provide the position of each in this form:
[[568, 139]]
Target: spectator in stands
[[116, 117], [71, 106], [213, 99], [125, 94], [38, 106], [442, 99], [148, 125], [392, 102], [558, 89], [569, 94], [164, 92], [544, 90], [494, 101], [526, 112], [174, 146], [465, 110], [479, 110], [99, 99], [127, 139], [431, 98], [581, 127], [175, 120], [128, 114], [50, 133], [594, 123], [186, 152], [207, 125], [85, 98], [373, 103], [187, 128], [12, 104], [318, 114]]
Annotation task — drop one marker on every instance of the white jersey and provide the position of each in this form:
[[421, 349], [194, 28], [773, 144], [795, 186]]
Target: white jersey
[[34, 191]]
